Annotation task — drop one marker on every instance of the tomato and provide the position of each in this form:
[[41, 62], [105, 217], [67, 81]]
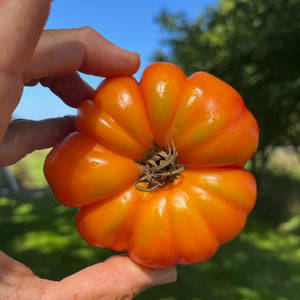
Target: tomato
[[156, 167]]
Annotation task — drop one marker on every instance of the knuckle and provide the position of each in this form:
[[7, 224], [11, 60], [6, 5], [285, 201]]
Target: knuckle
[[87, 31]]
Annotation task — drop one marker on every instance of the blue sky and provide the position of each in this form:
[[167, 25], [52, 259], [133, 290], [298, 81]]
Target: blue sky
[[129, 24]]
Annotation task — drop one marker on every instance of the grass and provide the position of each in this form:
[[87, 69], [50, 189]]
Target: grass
[[262, 263], [29, 170]]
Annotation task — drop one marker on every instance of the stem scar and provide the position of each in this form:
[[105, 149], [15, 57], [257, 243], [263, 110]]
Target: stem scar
[[160, 169]]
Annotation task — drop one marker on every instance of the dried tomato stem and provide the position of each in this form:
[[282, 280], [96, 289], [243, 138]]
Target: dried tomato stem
[[159, 170]]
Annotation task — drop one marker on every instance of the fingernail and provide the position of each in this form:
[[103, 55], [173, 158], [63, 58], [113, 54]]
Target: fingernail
[[133, 53], [165, 276]]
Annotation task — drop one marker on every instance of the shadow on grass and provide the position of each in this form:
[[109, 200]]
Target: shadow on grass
[[41, 233], [260, 264]]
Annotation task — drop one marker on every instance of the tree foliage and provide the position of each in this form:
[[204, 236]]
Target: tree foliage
[[254, 46]]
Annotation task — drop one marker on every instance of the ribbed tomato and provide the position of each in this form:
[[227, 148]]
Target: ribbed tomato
[[156, 167]]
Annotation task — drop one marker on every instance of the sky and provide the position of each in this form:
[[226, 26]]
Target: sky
[[129, 24]]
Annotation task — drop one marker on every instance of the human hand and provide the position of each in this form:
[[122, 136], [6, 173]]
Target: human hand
[[29, 55], [116, 278], [53, 57]]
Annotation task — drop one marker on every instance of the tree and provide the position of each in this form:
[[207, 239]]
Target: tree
[[254, 46]]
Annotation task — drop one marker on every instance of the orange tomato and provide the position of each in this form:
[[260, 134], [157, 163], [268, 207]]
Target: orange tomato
[[156, 167]]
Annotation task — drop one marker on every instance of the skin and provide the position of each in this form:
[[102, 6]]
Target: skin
[[30, 55]]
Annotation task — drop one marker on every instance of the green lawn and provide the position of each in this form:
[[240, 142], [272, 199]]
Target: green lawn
[[29, 170], [263, 263], [260, 264]]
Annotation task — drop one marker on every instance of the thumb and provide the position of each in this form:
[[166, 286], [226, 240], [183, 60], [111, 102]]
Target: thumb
[[116, 278]]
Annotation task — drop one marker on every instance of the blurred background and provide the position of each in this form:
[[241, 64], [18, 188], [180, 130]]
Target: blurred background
[[252, 45]]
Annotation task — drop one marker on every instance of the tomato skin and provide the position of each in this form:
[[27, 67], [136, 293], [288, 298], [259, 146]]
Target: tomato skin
[[161, 88], [184, 222], [108, 118], [190, 218], [206, 114], [82, 172]]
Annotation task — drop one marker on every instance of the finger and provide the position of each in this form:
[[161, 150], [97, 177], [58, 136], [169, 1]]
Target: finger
[[17, 280], [10, 93], [32, 82], [24, 136], [72, 89], [21, 24], [117, 278], [61, 52]]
